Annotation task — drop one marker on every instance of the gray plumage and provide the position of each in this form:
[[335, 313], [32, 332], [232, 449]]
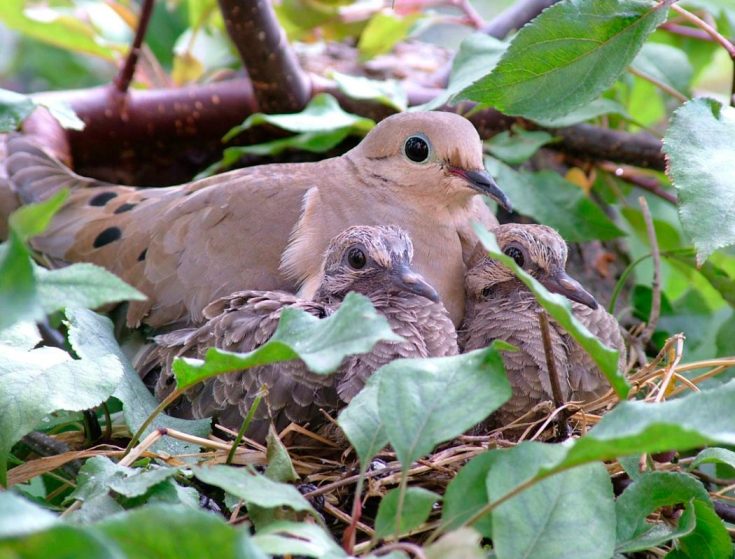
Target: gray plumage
[[244, 321], [500, 306]]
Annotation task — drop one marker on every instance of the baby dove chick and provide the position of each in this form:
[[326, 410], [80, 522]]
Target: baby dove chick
[[373, 261], [500, 306]]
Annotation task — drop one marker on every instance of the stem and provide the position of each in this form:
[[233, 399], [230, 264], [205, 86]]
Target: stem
[[123, 79], [401, 498], [656, 282], [543, 319], [167, 401], [243, 428], [349, 536], [661, 85], [649, 184]]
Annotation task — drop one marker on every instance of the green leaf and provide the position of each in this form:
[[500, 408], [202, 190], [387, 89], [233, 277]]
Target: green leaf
[[666, 64], [362, 424], [14, 109], [74, 541], [253, 488], [519, 146], [387, 92], [19, 516], [50, 26], [596, 108], [382, 33], [321, 114], [424, 402], [33, 219], [467, 494], [567, 56], [536, 523], [280, 467], [416, 509], [38, 382], [321, 343], [302, 539], [560, 310], [22, 335], [81, 285], [17, 284], [477, 55], [698, 145], [63, 113], [553, 201], [463, 543], [187, 533], [714, 455], [698, 530]]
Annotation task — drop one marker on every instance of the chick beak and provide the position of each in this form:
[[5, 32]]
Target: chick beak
[[407, 280], [482, 182], [569, 287]]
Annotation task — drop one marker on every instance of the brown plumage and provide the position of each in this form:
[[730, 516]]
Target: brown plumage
[[373, 261], [500, 306], [260, 227]]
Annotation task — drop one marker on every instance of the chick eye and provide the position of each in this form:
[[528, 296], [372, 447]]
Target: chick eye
[[417, 149], [515, 254], [356, 258], [486, 292]]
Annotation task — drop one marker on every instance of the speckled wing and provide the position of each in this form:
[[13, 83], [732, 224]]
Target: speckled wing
[[516, 322], [585, 378], [243, 322], [425, 327]]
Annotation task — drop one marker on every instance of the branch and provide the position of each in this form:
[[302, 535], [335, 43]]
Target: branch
[[634, 177], [516, 16], [653, 317], [123, 79], [554, 379], [279, 83]]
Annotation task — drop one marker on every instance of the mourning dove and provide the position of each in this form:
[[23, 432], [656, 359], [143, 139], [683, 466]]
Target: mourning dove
[[373, 261], [261, 227], [500, 306]]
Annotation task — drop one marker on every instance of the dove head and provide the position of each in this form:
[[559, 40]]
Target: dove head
[[539, 250], [369, 259], [431, 154]]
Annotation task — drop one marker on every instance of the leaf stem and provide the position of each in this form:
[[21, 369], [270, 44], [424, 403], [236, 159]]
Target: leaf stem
[[655, 313], [123, 79], [661, 85], [559, 402], [401, 498], [244, 428]]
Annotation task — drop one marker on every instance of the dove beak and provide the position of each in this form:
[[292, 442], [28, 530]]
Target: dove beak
[[482, 182], [566, 285], [407, 280]]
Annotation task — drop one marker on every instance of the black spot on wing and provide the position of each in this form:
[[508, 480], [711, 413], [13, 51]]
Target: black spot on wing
[[126, 207], [102, 198], [142, 255], [107, 236]]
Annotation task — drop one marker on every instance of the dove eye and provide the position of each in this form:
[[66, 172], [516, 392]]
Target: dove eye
[[417, 149], [486, 292], [516, 254], [356, 258]]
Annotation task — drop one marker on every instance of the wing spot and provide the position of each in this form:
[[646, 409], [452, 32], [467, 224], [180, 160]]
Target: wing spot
[[102, 198], [126, 207], [107, 236]]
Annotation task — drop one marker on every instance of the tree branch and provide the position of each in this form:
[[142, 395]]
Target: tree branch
[[279, 83], [123, 79]]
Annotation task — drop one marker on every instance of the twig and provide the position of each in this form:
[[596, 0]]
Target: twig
[[279, 83], [678, 351], [686, 31], [244, 427], [556, 392], [655, 313], [125, 76], [716, 36], [649, 184], [658, 83]]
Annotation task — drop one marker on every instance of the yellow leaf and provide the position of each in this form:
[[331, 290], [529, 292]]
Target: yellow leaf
[[187, 69], [579, 178]]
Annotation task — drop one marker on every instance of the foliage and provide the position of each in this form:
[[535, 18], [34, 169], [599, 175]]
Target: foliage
[[617, 65]]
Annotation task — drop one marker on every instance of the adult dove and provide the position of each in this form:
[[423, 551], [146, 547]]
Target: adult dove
[[373, 261], [500, 306], [263, 227]]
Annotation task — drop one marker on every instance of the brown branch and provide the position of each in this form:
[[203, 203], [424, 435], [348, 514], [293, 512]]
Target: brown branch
[[634, 177], [123, 79], [686, 31], [279, 83], [516, 16], [554, 379]]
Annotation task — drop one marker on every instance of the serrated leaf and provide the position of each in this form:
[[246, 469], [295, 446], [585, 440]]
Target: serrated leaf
[[554, 201], [698, 146], [535, 523], [594, 109], [253, 488], [81, 285], [666, 64], [519, 146], [290, 538], [38, 382], [572, 52], [361, 423], [321, 343], [416, 509], [424, 402], [560, 310]]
